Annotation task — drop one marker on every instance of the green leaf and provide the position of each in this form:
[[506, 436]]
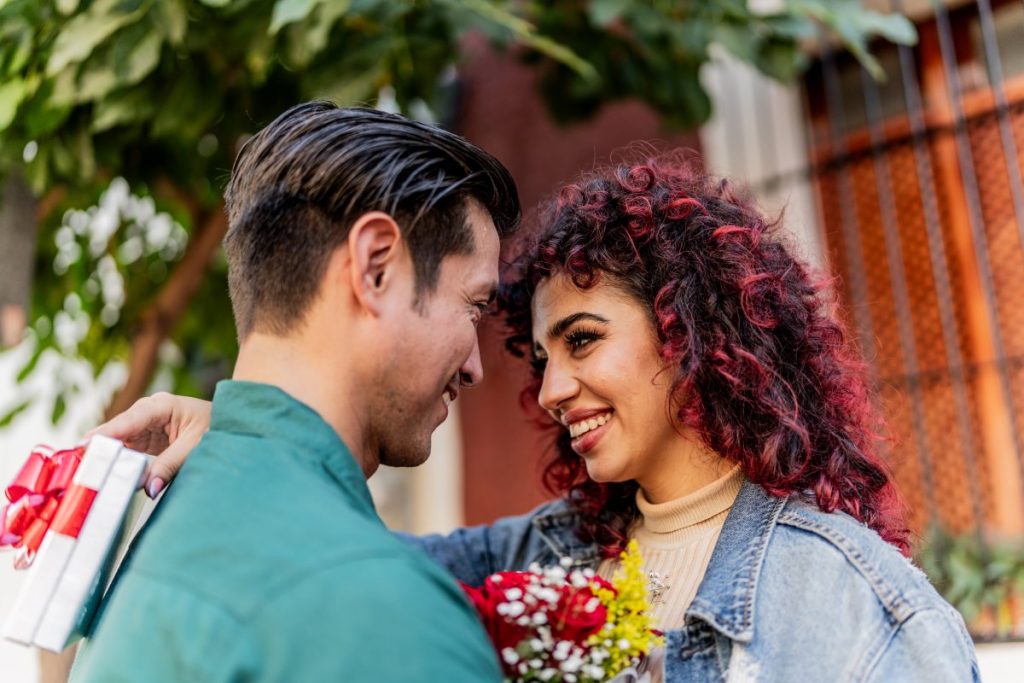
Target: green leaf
[[11, 94], [289, 11], [737, 40], [358, 89], [604, 12], [80, 36], [20, 55], [132, 56], [14, 412], [172, 20], [31, 365], [215, 3], [783, 60], [121, 108], [527, 34], [893, 27], [63, 89], [326, 17], [59, 408], [141, 61]]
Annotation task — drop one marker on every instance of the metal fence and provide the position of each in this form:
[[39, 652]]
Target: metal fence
[[921, 198]]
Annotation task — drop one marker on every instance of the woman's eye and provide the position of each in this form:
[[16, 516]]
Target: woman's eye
[[538, 364], [579, 338]]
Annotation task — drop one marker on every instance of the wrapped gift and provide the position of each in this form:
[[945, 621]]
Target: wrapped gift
[[68, 532]]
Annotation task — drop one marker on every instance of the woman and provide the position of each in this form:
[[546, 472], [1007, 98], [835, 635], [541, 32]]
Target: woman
[[706, 403]]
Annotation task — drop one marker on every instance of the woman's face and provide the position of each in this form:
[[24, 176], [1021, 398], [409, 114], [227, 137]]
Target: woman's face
[[604, 380]]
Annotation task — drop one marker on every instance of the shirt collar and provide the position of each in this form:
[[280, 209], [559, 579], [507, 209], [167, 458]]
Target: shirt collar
[[726, 597], [267, 412]]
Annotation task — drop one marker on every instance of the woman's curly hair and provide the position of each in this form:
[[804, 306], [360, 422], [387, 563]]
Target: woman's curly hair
[[763, 370]]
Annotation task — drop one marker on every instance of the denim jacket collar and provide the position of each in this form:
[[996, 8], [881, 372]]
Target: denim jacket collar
[[557, 528], [726, 597]]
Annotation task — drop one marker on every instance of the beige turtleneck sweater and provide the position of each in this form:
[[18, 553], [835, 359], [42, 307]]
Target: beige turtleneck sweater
[[676, 540]]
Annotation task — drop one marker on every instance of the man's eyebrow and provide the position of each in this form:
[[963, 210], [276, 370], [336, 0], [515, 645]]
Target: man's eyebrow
[[568, 321]]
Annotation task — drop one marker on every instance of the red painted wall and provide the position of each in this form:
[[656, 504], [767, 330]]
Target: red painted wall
[[501, 112]]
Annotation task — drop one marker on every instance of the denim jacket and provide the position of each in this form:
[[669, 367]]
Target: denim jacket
[[791, 594]]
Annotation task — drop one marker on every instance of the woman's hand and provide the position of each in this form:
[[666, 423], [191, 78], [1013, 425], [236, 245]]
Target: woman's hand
[[163, 425]]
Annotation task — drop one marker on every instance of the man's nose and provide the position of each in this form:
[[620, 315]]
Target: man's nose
[[472, 371], [557, 387]]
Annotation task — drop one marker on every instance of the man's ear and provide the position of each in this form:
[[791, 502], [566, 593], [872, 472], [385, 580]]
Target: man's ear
[[375, 247]]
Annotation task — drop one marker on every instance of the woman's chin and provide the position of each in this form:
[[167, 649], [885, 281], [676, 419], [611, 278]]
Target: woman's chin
[[606, 473]]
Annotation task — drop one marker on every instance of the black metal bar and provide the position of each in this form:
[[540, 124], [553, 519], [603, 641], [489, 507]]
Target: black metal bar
[[847, 210], [976, 217], [810, 170], [995, 71], [898, 280], [937, 375], [940, 274]]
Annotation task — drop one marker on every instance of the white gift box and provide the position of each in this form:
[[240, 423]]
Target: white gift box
[[70, 572]]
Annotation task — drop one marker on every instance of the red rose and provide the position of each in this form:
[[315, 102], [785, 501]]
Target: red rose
[[502, 629], [574, 621], [574, 614]]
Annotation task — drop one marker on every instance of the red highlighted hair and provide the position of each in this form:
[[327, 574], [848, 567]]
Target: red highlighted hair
[[764, 371]]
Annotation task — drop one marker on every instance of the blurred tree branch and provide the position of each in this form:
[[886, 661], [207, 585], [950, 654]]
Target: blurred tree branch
[[160, 93]]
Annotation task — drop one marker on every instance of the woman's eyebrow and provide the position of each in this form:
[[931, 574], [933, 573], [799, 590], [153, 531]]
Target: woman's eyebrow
[[568, 321]]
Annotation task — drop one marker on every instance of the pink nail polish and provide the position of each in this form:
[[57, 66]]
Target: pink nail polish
[[154, 487]]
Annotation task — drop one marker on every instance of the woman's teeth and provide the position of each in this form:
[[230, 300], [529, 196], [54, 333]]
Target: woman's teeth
[[578, 429]]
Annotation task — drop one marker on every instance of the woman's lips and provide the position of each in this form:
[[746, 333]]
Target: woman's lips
[[587, 441]]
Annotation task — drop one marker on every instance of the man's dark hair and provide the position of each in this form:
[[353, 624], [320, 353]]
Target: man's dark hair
[[298, 185]]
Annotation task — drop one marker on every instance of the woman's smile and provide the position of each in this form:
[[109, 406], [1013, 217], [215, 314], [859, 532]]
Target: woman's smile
[[586, 432]]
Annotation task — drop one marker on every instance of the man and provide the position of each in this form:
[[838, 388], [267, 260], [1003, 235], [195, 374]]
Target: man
[[362, 250]]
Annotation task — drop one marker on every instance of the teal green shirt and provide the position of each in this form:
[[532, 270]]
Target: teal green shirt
[[266, 561]]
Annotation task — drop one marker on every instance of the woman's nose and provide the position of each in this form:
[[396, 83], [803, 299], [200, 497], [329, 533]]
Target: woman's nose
[[558, 386]]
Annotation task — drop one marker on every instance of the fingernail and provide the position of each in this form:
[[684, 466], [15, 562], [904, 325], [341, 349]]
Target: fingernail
[[154, 487]]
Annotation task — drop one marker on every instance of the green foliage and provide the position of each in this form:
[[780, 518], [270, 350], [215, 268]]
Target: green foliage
[[162, 92], [976, 576]]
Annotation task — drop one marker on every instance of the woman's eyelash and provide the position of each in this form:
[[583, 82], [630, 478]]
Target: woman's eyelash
[[580, 337]]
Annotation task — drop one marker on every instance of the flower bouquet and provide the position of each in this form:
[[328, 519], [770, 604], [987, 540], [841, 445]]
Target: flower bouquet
[[564, 625]]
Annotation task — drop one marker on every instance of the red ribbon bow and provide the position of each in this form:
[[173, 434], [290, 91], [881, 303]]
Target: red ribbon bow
[[35, 498]]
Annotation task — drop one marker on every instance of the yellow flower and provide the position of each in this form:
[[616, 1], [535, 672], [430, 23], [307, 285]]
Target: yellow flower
[[627, 636]]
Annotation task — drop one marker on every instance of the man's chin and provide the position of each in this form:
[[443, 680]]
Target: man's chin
[[405, 457]]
